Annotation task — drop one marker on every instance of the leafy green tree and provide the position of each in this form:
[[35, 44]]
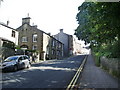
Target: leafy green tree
[[99, 24]]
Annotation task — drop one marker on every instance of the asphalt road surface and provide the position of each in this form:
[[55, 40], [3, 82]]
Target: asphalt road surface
[[47, 74]]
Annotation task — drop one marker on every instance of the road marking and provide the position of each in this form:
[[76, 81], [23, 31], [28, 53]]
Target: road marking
[[75, 78]]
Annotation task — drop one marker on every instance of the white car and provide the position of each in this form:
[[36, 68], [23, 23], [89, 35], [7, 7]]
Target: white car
[[14, 63]]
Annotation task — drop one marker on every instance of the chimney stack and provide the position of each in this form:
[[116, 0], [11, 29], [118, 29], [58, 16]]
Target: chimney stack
[[8, 22], [26, 20], [61, 30], [49, 33]]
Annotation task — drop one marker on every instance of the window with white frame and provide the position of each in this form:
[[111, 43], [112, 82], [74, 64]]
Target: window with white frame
[[24, 39], [34, 47], [34, 37]]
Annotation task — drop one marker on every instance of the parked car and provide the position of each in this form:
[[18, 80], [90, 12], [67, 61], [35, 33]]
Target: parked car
[[14, 63]]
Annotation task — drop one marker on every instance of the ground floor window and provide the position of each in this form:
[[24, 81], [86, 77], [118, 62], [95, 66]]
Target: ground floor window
[[34, 47]]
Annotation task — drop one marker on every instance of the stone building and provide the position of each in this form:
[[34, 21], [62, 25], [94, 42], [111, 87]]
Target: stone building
[[70, 45], [65, 39], [53, 49], [77, 48], [35, 41]]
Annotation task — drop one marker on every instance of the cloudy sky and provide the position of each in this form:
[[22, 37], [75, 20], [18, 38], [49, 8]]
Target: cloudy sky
[[48, 15]]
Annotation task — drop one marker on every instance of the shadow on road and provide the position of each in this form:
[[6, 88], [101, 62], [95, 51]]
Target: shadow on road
[[52, 73]]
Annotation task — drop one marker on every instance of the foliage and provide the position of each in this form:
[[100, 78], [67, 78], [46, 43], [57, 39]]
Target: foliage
[[17, 47], [10, 45], [99, 24]]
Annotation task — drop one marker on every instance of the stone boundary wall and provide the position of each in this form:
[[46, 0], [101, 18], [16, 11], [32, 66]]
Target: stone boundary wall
[[111, 64], [6, 52]]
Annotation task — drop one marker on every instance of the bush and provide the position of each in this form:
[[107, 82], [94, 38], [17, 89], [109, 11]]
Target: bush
[[96, 58], [116, 73]]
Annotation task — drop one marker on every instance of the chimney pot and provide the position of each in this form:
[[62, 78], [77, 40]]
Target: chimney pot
[[61, 30]]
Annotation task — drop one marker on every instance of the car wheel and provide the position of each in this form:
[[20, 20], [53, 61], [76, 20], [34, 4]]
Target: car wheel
[[15, 68], [29, 65]]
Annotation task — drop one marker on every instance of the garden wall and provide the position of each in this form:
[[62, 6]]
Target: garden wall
[[111, 65]]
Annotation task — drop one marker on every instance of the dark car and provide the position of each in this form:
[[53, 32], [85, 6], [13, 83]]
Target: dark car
[[15, 63]]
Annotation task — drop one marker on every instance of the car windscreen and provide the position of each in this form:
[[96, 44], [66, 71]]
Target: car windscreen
[[10, 59]]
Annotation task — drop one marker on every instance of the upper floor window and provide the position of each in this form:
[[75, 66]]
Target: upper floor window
[[60, 45], [13, 33], [53, 43], [35, 38], [53, 52], [24, 39]]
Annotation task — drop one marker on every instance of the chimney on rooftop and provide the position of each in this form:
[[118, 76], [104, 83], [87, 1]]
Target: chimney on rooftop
[[8, 22], [49, 34], [26, 20], [61, 30]]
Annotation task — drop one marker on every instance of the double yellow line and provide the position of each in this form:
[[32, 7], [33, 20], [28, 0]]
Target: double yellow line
[[75, 78]]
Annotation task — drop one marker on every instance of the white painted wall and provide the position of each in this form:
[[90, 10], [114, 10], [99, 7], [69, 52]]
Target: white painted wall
[[46, 39], [6, 33]]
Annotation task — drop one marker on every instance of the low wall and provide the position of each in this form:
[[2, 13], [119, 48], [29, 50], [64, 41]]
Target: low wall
[[5, 52], [111, 64]]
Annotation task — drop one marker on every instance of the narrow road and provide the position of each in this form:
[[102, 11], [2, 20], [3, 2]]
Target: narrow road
[[48, 74], [95, 77]]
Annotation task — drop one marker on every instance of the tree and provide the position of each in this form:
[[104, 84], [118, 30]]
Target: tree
[[99, 25]]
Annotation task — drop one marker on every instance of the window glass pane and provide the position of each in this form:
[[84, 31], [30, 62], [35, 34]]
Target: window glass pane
[[13, 33], [20, 58], [34, 47], [24, 39], [35, 38]]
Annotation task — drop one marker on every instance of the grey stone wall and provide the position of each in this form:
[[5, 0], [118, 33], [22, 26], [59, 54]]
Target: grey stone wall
[[28, 31], [63, 37], [6, 52], [110, 64]]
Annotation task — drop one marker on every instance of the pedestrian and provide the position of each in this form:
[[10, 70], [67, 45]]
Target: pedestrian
[[33, 59]]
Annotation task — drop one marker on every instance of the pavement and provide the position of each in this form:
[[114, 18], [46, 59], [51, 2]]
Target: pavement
[[95, 77]]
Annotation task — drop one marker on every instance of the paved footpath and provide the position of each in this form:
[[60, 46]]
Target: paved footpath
[[95, 77]]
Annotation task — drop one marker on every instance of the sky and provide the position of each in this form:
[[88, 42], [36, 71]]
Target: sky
[[48, 15]]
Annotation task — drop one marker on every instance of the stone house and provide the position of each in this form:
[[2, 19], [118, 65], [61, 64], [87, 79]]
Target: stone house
[[67, 40], [53, 49], [33, 39], [70, 45], [64, 38], [77, 48]]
